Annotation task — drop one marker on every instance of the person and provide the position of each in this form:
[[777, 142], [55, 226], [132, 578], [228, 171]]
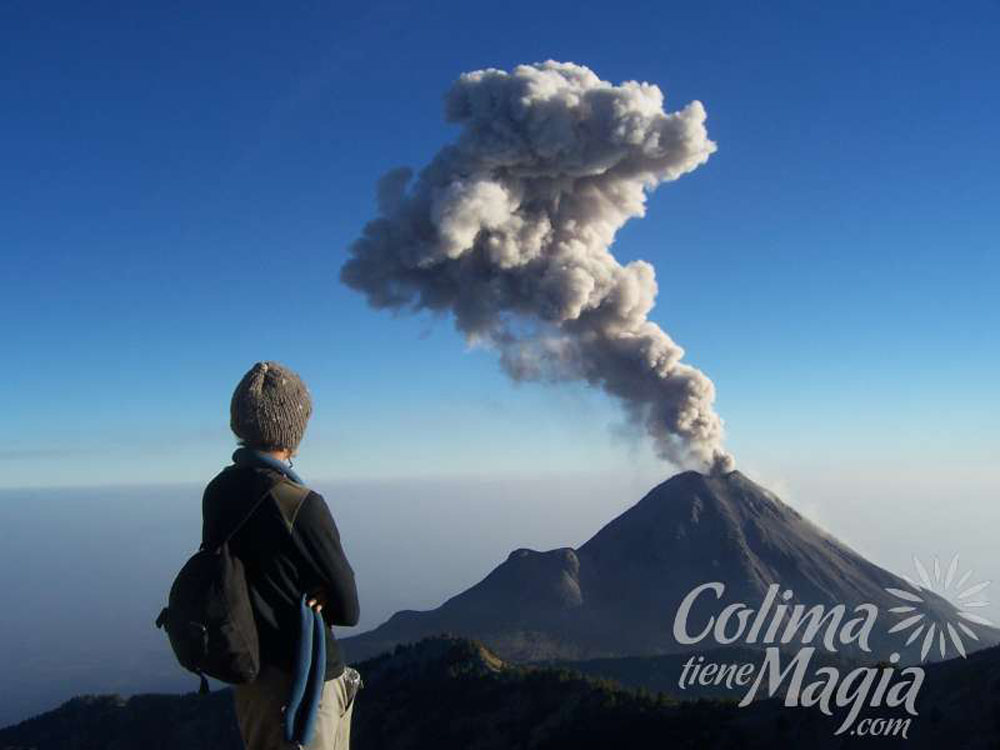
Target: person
[[291, 550]]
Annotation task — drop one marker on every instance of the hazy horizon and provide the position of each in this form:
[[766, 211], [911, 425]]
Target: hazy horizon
[[79, 607]]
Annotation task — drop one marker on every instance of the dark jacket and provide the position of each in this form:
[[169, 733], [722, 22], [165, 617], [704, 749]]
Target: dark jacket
[[290, 545]]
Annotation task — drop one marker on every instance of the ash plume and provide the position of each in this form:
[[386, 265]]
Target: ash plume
[[509, 229]]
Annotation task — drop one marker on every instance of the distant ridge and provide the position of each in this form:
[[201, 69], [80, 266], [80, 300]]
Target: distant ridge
[[454, 694]]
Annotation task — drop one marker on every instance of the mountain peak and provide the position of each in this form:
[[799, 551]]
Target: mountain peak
[[614, 594], [690, 476], [732, 488], [688, 486]]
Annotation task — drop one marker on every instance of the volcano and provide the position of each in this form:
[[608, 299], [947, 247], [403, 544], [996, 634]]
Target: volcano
[[618, 594]]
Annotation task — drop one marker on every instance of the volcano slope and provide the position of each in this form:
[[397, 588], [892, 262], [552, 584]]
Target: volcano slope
[[618, 594]]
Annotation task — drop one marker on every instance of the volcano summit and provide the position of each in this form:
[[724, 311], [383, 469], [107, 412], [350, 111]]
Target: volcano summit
[[618, 594]]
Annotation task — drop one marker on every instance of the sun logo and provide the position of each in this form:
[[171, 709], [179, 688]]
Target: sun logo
[[958, 593]]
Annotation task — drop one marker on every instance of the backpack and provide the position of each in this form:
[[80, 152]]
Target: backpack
[[209, 618]]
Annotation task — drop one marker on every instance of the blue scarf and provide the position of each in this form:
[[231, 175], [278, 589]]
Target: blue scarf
[[310, 662], [244, 456]]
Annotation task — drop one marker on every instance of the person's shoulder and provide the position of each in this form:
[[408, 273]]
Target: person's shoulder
[[313, 509], [216, 483], [291, 497], [241, 480], [315, 496], [316, 500]]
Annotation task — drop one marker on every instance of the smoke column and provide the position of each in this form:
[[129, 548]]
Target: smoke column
[[509, 230]]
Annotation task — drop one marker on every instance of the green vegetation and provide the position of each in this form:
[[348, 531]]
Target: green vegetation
[[451, 693]]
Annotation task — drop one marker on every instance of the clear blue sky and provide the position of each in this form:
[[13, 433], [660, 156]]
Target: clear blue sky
[[180, 184]]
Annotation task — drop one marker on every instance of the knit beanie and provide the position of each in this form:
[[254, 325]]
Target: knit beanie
[[270, 408]]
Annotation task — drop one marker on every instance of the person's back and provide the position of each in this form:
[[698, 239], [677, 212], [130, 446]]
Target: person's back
[[290, 546]]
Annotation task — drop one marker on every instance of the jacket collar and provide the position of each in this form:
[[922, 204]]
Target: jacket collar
[[251, 457]]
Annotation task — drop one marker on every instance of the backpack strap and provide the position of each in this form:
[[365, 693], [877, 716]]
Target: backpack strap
[[246, 518], [289, 496], [253, 509]]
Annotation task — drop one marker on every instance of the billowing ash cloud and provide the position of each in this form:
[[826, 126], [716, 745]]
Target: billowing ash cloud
[[509, 230]]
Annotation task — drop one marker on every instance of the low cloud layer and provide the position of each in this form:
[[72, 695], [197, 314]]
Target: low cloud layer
[[509, 229]]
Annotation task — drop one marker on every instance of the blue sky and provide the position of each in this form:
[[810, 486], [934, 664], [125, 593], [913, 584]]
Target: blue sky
[[181, 182]]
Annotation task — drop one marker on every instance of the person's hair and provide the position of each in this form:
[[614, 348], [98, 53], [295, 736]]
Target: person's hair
[[266, 447]]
